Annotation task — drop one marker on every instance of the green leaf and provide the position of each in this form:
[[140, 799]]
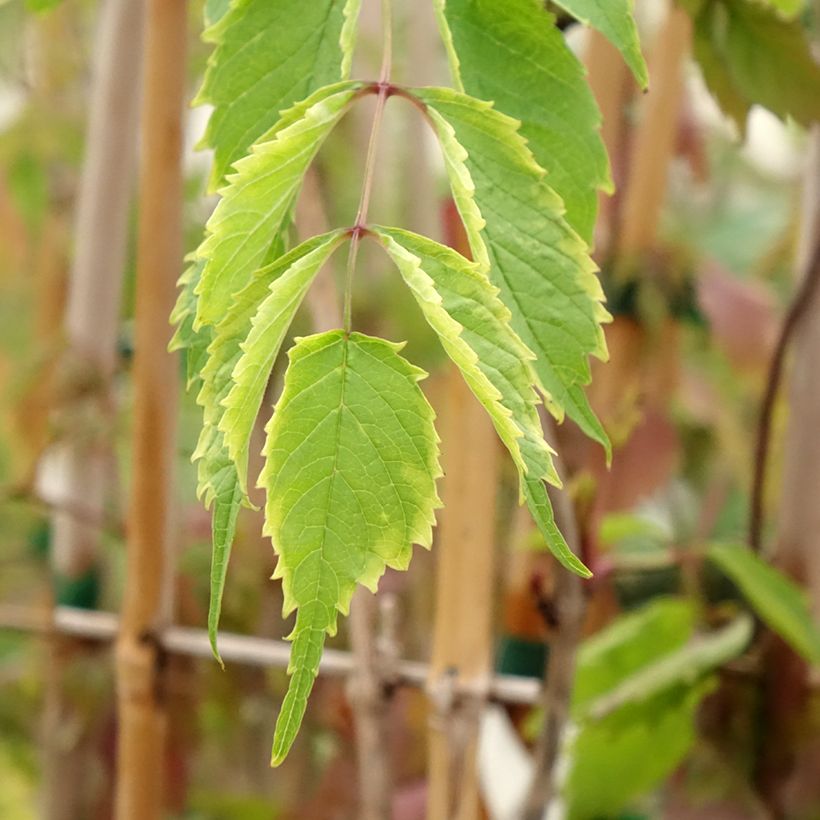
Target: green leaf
[[290, 278], [228, 499], [212, 353], [350, 475], [629, 644], [260, 196], [218, 478], [603, 777], [40, 6], [684, 665], [215, 10], [255, 72], [516, 230], [513, 54], [193, 342], [788, 8], [614, 19], [750, 54], [639, 684], [473, 325], [780, 603]]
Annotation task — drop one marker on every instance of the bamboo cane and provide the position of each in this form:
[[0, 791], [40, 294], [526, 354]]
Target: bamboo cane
[[78, 471], [462, 632], [654, 140], [146, 605]]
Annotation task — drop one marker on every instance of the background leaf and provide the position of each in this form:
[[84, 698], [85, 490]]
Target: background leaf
[[776, 599], [750, 54], [639, 684]]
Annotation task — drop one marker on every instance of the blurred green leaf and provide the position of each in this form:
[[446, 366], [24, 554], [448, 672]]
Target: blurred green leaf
[[624, 756], [638, 687], [215, 10], [780, 603], [750, 54], [683, 666], [42, 5], [788, 8], [28, 184], [629, 644]]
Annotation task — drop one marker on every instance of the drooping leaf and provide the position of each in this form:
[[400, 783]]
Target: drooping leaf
[[614, 19], [473, 324], [512, 54], [350, 474], [779, 602], [219, 482], [751, 54], [290, 277], [268, 55], [193, 342], [260, 195], [213, 352], [515, 226]]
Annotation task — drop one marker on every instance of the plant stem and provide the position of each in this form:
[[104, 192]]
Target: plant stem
[[801, 304], [370, 161], [556, 696]]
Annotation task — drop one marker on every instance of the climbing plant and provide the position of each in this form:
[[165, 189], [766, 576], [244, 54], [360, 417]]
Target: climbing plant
[[351, 451]]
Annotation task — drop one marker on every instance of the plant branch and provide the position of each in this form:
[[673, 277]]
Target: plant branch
[[569, 606], [370, 161], [797, 309]]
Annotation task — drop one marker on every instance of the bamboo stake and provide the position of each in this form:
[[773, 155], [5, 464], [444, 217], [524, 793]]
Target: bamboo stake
[[146, 605], [654, 141], [613, 87], [462, 633], [78, 471]]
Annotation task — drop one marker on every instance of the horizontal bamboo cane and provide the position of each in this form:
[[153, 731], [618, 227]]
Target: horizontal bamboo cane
[[243, 649]]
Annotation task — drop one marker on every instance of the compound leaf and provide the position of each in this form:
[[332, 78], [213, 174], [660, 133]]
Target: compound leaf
[[473, 324], [516, 230], [255, 72], [351, 462], [512, 54], [260, 195]]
